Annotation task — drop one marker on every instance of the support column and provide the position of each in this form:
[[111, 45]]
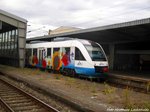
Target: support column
[[21, 44], [112, 55]]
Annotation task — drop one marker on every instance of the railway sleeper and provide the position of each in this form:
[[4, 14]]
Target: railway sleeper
[[20, 104], [36, 110], [12, 96], [17, 101], [8, 91], [22, 108]]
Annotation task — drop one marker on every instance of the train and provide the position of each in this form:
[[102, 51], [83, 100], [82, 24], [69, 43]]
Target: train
[[69, 56]]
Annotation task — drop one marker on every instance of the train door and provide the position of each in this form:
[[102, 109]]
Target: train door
[[35, 59], [28, 57], [42, 55], [49, 57], [56, 61], [80, 61], [68, 57], [72, 56]]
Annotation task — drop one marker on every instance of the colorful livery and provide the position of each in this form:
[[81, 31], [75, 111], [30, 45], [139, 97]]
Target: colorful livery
[[69, 56]]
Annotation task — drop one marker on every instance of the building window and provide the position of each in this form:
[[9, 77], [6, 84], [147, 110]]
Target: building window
[[16, 38], [0, 41], [6, 43], [10, 41]]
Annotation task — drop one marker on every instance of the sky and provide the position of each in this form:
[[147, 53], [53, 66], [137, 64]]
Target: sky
[[44, 15]]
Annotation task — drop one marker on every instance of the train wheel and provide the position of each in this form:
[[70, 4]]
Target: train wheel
[[64, 71], [73, 72], [91, 79]]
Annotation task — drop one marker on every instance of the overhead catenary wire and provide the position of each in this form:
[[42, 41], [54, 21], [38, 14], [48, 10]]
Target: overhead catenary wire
[[110, 17], [107, 8], [98, 19]]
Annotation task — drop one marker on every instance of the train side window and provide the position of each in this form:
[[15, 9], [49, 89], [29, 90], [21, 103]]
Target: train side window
[[28, 57], [78, 54], [28, 52], [35, 52], [48, 52], [66, 50], [56, 50]]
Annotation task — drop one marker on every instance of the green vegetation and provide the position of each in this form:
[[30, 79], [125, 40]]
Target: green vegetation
[[108, 89], [69, 81], [127, 101], [57, 76], [148, 87], [94, 88], [147, 105]]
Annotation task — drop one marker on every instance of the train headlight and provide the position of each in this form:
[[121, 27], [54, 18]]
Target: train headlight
[[105, 69]]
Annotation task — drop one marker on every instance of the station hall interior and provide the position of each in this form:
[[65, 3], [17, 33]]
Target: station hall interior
[[125, 44]]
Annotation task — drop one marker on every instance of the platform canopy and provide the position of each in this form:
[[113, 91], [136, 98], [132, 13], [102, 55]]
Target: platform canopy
[[138, 30]]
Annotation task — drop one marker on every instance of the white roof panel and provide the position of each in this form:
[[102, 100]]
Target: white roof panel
[[12, 16]]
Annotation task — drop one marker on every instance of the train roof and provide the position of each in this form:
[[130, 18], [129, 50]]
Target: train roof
[[60, 39]]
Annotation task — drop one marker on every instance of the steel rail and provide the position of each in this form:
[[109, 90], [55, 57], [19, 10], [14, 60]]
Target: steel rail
[[28, 96]]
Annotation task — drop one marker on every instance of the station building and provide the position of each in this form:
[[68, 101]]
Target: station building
[[12, 39]]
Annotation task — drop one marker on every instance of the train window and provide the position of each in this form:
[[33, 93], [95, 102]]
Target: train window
[[56, 50], [35, 51], [66, 50], [78, 54], [49, 52], [28, 52], [95, 52], [27, 56]]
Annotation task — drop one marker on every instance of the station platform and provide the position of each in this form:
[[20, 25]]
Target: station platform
[[142, 75], [85, 95], [138, 80]]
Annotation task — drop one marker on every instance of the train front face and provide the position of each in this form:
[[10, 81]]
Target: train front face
[[98, 60]]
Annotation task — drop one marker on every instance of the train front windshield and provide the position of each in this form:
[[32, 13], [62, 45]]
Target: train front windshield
[[95, 51]]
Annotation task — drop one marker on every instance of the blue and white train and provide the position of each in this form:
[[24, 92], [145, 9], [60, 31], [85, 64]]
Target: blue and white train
[[69, 56]]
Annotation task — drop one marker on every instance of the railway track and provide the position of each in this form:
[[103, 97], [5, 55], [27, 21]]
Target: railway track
[[14, 99], [134, 83]]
